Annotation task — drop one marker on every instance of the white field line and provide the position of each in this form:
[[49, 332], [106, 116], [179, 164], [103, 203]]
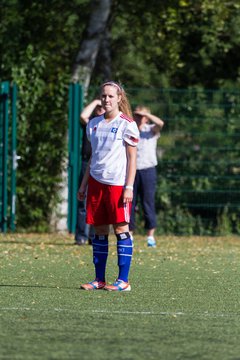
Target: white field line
[[116, 312]]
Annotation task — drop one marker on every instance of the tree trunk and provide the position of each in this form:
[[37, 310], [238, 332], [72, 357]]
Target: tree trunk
[[86, 58], [104, 60]]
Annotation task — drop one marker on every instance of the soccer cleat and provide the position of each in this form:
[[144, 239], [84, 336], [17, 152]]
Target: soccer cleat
[[151, 241], [93, 285], [118, 285]]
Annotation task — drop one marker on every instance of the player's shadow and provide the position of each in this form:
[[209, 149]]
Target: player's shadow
[[38, 286], [37, 243]]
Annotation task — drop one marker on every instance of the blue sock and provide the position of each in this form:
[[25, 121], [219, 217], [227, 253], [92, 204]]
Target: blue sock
[[124, 250], [100, 254]]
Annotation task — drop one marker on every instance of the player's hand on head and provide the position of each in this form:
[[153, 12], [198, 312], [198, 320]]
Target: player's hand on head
[[140, 113]]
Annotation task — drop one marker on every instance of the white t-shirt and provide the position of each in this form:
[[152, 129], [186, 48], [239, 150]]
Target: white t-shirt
[[108, 142], [147, 148]]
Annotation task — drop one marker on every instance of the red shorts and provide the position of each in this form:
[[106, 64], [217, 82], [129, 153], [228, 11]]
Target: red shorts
[[105, 204]]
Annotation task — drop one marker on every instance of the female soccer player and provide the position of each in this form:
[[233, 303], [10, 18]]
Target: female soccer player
[[109, 178]]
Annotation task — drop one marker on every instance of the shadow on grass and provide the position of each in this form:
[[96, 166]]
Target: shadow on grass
[[40, 242], [38, 286]]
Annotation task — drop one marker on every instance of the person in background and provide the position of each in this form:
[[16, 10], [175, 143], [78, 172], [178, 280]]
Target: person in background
[[109, 182], [84, 232], [149, 126]]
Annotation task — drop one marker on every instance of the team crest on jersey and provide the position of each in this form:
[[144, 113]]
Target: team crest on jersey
[[114, 130]]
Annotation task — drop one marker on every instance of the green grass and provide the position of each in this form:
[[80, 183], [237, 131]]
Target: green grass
[[184, 303]]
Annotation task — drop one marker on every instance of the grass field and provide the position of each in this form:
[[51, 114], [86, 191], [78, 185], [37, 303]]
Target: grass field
[[184, 303]]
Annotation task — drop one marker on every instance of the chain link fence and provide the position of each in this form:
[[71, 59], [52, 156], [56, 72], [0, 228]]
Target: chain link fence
[[199, 167]]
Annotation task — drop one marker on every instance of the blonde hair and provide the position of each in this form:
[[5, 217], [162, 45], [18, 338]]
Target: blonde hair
[[142, 108], [124, 104]]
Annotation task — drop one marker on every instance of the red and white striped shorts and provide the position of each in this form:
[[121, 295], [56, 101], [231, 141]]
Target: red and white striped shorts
[[105, 204]]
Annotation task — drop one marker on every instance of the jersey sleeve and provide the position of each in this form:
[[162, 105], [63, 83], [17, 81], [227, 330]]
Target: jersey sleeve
[[131, 134]]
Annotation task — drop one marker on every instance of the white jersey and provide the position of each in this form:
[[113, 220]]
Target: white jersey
[[147, 147], [108, 142]]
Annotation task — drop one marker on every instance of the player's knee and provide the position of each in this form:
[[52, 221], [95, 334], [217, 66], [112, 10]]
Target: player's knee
[[120, 228], [101, 229]]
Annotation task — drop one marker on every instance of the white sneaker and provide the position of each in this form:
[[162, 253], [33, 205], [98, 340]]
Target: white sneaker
[[151, 242]]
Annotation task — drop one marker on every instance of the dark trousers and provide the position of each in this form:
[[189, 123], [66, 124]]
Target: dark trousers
[[145, 189], [83, 230]]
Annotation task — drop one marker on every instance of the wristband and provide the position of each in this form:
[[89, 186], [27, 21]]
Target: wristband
[[130, 187]]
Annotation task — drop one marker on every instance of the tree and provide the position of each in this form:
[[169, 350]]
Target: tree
[[94, 35], [147, 44]]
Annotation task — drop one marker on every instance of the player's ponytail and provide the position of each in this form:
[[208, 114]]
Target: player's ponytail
[[124, 105]]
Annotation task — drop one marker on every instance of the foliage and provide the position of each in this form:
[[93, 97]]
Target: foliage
[[38, 58], [198, 171], [41, 147], [170, 44], [177, 43]]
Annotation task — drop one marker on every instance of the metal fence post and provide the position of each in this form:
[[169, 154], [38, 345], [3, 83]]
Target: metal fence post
[[14, 156], [4, 94], [74, 147]]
